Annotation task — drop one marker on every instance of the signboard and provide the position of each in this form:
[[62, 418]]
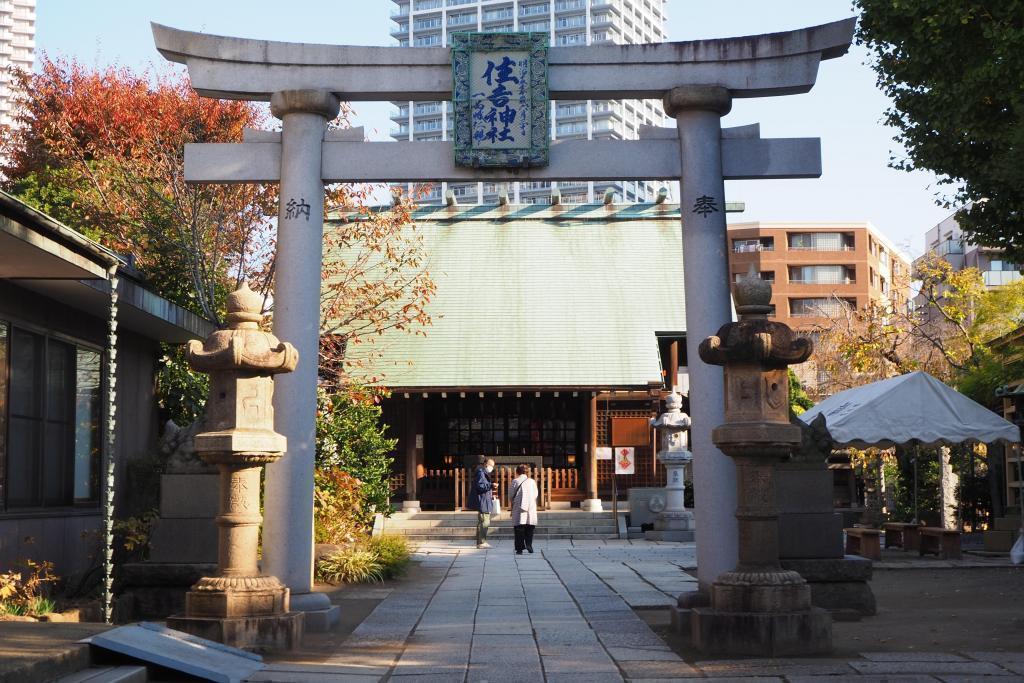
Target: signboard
[[631, 431], [500, 99], [625, 460], [603, 452]]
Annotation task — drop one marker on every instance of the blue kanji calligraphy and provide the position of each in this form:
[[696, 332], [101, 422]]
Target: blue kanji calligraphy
[[502, 103]]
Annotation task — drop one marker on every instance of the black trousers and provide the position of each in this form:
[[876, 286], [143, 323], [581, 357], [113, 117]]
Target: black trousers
[[524, 536]]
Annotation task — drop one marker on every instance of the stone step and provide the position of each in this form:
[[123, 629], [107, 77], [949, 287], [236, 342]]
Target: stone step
[[107, 674], [459, 531], [543, 514], [504, 521], [538, 537]]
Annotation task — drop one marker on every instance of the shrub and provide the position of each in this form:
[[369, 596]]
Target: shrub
[[21, 590], [383, 557], [393, 553], [338, 513], [351, 438], [354, 564]]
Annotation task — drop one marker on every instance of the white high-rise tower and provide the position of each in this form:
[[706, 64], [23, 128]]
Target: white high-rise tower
[[17, 48], [424, 23]]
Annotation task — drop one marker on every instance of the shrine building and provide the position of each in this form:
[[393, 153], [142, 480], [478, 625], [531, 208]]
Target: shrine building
[[555, 331]]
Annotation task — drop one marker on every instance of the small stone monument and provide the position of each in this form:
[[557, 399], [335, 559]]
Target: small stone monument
[[758, 608], [674, 522], [239, 606], [811, 531]]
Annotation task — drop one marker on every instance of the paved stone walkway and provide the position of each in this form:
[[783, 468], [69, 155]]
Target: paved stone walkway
[[565, 614]]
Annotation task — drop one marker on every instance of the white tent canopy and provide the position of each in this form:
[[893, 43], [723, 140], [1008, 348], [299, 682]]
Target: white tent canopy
[[912, 407]]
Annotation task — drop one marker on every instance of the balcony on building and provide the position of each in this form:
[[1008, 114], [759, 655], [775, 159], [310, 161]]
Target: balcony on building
[[752, 245], [820, 241], [430, 40], [823, 275], [462, 20], [542, 9], [564, 5], [819, 307], [424, 5], [400, 114], [535, 26], [400, 11], [503, 14]]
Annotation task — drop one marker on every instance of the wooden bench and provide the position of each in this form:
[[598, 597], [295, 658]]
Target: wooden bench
[[863, 542], [942, 542], [901, 535]]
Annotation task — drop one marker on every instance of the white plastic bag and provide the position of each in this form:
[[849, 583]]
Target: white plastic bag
[[495, 507], [1017, 551]]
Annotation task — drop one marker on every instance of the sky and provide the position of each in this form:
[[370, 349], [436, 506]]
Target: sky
[[844, 109]]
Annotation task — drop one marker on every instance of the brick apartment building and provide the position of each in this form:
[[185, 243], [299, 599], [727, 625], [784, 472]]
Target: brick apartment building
[[816, 267]]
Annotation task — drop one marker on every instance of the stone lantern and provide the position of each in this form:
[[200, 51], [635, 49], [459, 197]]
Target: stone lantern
[[758, 608], [675, 522], [239, 606]]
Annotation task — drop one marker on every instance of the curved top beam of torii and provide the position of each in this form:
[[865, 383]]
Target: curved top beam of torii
[[751, 66]]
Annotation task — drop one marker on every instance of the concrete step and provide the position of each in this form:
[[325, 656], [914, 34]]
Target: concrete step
[[108, 674]]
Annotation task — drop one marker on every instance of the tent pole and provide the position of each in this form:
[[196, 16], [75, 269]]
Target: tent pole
[[1020, 487], [917, 454]]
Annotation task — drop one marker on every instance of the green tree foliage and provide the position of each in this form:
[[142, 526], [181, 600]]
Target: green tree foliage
[[948, 335], [954, 70], [799, 401], [181, 391], [351, 438]]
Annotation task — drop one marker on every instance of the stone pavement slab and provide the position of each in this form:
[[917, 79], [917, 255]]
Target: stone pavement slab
[[919, 667]]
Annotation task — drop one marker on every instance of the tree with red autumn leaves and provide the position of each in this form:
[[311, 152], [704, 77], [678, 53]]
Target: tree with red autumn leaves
[[103, 151]]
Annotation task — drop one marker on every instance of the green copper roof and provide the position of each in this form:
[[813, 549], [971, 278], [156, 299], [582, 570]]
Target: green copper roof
[[543, 297]]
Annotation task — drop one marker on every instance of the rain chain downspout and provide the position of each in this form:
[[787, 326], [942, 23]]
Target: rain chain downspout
[[108, 490]]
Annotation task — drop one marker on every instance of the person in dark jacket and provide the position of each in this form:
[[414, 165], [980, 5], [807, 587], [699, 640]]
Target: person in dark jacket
[[481, 497]]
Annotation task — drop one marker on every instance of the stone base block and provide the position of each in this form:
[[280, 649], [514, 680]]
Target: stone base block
[[591, 505], [847, 568], [322, 620], [411, 506], [997, 541], [837, 583], [669, 535], [279, 632], [761, 634], [321, 615], [810, 535], [844, 595]]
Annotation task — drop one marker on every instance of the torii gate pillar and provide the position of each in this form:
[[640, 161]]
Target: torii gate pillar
[[698, 111], [288, 528]]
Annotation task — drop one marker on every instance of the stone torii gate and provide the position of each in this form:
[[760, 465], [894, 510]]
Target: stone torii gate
[[304, 83]]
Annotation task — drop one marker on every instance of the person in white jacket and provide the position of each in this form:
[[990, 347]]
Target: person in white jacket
[[524, 508]]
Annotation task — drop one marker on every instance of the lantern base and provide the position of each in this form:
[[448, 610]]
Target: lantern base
[[274, 633], [759, 634]]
